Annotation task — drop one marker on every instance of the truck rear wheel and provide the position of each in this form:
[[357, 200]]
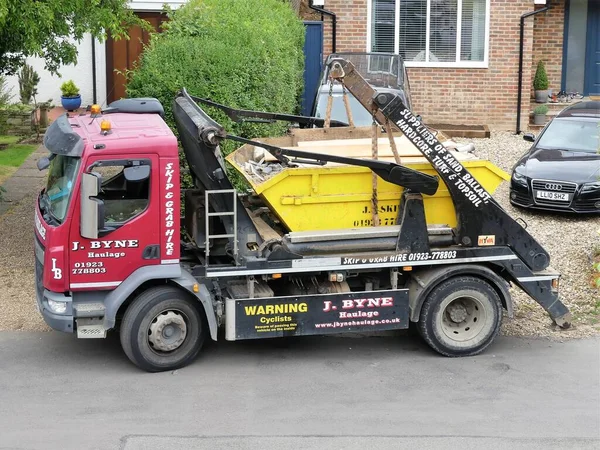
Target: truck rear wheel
[[461, 316], [162, 330]]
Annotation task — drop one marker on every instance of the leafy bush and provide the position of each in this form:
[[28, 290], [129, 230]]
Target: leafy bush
[[242, 53], [17, 108], [540, 110], [69, 89], [540, 80]]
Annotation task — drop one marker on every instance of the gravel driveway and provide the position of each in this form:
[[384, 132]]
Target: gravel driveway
[[568, 239], [17, 292]]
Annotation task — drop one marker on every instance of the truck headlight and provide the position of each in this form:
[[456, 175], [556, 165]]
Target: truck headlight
[[57, 307], [519, 178], [587, 187]]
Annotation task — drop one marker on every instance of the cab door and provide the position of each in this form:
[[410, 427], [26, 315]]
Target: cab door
[[128, 229]]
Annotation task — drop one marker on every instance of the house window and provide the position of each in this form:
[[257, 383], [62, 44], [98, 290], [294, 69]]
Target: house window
[[437, 33]]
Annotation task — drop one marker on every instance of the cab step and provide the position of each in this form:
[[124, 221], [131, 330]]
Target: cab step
[[90, 328]]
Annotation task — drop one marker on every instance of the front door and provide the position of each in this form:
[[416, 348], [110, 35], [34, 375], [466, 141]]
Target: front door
[[592, 65], [313, 64], [130, 237]]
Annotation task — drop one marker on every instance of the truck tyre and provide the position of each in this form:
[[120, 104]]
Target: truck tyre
[[461, 316], [162, 330]]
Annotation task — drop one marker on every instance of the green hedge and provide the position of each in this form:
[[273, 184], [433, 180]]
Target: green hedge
[[241, 53]]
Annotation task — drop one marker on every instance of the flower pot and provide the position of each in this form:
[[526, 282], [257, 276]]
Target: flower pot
[[71, 103], [539, 119], [541, 96]]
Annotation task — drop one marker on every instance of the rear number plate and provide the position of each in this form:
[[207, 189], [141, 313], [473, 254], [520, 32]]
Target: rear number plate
[[559, 196]]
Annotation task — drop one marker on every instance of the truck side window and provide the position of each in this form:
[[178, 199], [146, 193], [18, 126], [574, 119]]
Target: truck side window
[[123, 199]]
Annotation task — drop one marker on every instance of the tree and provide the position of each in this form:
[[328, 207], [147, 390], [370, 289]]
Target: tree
[[49, 29]]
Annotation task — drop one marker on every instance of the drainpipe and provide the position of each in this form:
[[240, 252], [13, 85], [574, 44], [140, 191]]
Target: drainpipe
[[333, 22], [522, 30], [94, 68]]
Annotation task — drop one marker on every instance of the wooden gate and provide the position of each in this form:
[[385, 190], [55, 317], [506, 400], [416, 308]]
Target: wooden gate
[[121, 54]]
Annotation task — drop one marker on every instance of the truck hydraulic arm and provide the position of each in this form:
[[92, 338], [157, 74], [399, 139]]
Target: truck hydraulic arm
[[237, 115], [480, 220], [392, 173]]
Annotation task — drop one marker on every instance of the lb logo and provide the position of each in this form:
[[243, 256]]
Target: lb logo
[[56, 272]]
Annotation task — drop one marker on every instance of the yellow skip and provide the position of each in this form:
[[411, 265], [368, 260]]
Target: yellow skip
[[338, 196]]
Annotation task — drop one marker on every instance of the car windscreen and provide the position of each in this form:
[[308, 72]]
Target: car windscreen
[[572, 135]]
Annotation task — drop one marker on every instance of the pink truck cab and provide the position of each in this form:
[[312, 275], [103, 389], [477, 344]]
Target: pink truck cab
[[129, 164]]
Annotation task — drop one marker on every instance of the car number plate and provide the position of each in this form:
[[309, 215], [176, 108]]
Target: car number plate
[[547, 195]]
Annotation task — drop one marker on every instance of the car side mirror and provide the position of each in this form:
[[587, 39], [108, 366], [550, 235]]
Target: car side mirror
[[529, 137], [136, 173], [92, 208]]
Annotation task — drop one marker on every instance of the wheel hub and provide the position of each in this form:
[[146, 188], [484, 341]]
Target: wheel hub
[[457, 312], [167, 331]]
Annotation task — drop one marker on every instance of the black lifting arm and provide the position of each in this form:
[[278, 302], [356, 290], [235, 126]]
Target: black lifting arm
[[238, 115], [393, 173], [479, 216]]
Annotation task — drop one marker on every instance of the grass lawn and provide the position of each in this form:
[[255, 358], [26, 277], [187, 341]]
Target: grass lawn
[[9, 139], [12, 156]]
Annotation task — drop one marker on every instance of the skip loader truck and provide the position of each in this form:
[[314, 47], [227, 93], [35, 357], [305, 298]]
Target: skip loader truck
[[328, 241]]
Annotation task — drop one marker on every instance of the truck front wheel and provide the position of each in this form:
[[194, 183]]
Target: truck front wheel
[[162, 330], [461, 316]]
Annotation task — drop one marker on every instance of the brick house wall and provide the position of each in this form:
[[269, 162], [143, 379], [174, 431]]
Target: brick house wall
[[460, 95], [548, 34], [351, 24]]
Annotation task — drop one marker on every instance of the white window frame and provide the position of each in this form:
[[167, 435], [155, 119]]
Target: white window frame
[[456, 64]]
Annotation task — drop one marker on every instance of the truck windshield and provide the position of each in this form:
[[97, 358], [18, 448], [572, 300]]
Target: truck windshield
[[61, 179]]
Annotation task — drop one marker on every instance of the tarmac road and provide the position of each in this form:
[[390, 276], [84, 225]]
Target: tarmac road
[[312, 393]]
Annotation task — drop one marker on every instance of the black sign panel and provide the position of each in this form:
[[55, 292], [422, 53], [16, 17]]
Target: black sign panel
[[321, 314]]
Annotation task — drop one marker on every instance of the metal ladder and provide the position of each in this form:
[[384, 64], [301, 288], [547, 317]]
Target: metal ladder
[[209, 214]]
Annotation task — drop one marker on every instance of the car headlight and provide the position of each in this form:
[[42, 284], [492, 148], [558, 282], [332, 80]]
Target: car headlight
[[587, 187], [519, 178], [57, 307]]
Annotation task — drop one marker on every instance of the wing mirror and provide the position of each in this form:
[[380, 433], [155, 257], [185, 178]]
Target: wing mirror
[[529, 137], [44, 162], [92, 208]]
